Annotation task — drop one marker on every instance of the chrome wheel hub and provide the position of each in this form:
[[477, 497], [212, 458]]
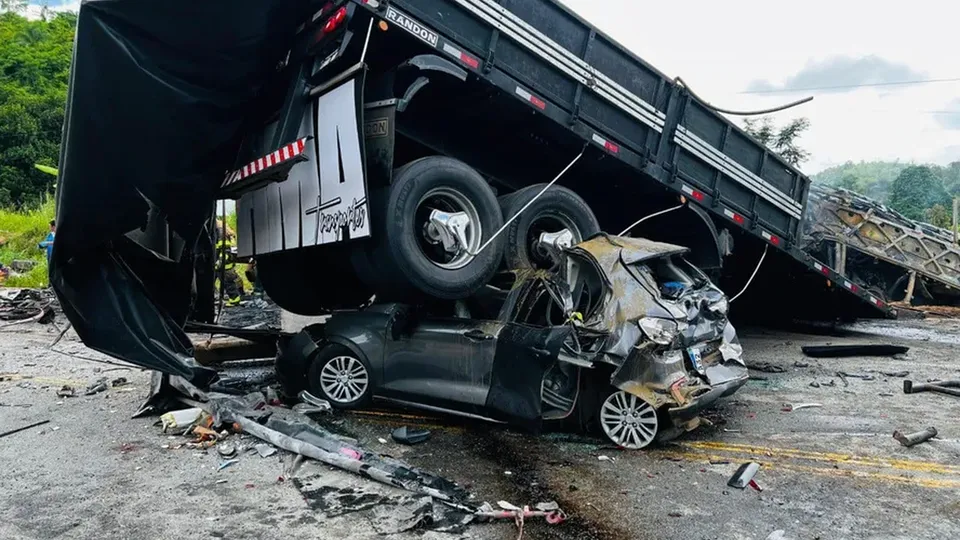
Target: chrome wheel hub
[[344, 379], [628, 421]]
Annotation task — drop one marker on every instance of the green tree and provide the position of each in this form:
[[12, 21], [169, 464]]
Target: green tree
[[939, 216], [916, 190], [34, 70], [782, 140]]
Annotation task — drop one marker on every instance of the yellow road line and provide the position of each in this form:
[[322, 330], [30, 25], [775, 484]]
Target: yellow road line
[[920, 466], [867, 475]]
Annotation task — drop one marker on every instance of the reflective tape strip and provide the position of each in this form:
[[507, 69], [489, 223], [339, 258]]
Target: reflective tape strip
[[461, 56], [696, 194], [700, 148], [527, 96], [605, 143], [823, 269], [270, 160], [769, 237], [737, 218], [852, 286], [876, 302], [527, 36]]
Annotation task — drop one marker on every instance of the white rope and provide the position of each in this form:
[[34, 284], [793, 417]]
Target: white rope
[[641, 220], [515, 216], [755, 270]]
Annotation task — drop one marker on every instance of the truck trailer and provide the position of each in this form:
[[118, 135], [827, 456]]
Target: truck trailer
[[401, 150]]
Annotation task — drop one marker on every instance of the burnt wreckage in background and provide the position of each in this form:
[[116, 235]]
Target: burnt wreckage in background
[[625, 337]]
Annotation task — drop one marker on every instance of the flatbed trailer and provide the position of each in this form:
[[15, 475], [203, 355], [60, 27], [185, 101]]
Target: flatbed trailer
[[569, 77]]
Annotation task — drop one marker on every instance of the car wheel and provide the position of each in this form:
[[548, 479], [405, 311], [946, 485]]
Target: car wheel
[[312, 281], [412, 254], [627, 420], [341, 377], [558, 210]]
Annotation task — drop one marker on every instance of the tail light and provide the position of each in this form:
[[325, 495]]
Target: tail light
[[335, 21]]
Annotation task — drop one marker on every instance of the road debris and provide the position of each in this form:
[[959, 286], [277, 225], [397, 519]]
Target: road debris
[[119, 381], [27, 305], [24, 428], [66, 391], [744, 476], [96, 388], [224, 464], [799, 364], [847, 351], [911, 439], [861, 376], [606, 458], [941, 387], [181, 420], [227, 449], [410, 436], [815, 384], [798, 406], [767, 367], [898, 374], [265, 450]]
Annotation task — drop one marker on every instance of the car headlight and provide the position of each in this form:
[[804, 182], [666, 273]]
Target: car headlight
[[660, 331]]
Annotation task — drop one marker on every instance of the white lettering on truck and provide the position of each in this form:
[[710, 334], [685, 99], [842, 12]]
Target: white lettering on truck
[[412, 26]]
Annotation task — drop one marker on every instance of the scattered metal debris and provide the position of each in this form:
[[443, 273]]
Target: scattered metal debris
[[847, 351], [861, 376], [815, 384], [66, 391], [411, 436], [265, 450], [744, 475], [801, 365], [798, 406], [941, 387], [911, 439], [27, 305], [224, 464], [119, 381], [96, 388], [898, 374], [227, 449], [767, 367], [24, 428]]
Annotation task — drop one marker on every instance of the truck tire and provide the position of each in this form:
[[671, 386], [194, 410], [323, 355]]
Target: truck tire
[[408, 260], [557, 209], [312, 281]]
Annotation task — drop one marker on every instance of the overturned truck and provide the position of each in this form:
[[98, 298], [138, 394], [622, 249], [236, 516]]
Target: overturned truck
[[407, 151]]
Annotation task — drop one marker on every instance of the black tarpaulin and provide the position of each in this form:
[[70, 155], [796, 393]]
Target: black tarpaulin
[[159, 94]]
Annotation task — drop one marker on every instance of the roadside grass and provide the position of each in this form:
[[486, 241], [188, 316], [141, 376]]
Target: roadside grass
[[20, 232]]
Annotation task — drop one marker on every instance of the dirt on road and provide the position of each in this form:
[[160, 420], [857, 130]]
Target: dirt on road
[[830, 471]]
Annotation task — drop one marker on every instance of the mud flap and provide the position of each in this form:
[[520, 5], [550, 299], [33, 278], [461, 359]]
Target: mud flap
[[323, 200], [524, 354]]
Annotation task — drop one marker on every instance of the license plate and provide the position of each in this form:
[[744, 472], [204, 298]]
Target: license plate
[[696, 358]]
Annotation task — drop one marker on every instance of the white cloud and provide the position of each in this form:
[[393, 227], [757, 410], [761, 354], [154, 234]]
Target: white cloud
[[720, 48]]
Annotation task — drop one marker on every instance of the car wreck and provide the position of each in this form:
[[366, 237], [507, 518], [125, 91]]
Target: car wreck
[[622, 337]]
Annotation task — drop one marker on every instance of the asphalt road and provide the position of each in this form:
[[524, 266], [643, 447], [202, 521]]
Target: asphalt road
[[829, 472]]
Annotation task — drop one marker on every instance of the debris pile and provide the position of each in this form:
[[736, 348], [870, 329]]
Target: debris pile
[[27, 305], [256, 424]]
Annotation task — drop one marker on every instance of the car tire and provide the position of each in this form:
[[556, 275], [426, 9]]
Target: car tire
[[404, 260], [341, 376], [312, 281], [556, 209], [627, 420]]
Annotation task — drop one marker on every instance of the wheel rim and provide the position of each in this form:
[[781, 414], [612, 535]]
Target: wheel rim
[[451, 202], [344, 379], [628, 421], [548, 223]]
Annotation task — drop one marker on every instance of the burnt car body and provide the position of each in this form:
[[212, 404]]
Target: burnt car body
[[624, 331]]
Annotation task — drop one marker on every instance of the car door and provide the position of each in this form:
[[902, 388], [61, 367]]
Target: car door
[[443, 362]]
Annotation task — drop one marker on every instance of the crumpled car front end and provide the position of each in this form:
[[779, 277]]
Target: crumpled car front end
[[664, 329]]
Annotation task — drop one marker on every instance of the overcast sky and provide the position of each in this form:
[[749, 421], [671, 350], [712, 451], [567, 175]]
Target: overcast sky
[[725, 48]]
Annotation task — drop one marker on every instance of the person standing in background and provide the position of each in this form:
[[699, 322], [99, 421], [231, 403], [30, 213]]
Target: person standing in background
[[48, 241]]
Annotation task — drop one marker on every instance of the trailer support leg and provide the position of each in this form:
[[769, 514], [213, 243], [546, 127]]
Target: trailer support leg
[[910, 285]]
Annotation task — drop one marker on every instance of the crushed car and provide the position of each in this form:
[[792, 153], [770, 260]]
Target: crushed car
[[624, 337]]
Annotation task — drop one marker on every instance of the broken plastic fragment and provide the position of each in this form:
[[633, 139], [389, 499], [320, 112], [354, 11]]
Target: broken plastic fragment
[[744, 475], [798, 406], [180, 419], [265, 450], [405, 435], [227, 463]]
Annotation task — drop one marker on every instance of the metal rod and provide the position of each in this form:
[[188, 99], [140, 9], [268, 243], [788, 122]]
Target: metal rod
[[18, 430], [515, 216], [366, 42], [317, 90]]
